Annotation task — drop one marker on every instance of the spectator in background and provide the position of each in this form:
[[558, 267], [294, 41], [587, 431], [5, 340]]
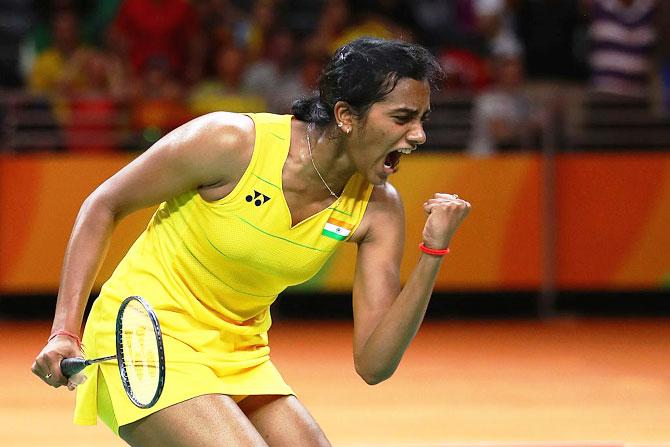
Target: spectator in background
[[157, 102], [554, 33], [446, 23], [45, 79], [94, 86], [219, 21], [41, 33], [495, 20], [622, 38], [15, 23], [368, 22], [94, 19], [167, 30], [394, 12], [452, 31], [225, 90], [253, 33], [36, 117], [342, 21], [333, 20], [47, 70], [466, 71], [276, 76], [94, 72], [503, 115], [310, 71], [158, 81], [662, 23], [97, 21]]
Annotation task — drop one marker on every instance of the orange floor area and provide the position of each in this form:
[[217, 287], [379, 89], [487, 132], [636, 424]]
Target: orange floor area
[[557, 383]]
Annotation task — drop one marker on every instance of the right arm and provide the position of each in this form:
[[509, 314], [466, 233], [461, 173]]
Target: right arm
[[212, 149]]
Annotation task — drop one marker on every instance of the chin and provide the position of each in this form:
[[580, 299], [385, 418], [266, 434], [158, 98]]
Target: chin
[[375, 177], [379, 181]]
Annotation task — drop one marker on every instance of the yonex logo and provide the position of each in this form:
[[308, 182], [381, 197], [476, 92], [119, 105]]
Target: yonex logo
[[258, 198]]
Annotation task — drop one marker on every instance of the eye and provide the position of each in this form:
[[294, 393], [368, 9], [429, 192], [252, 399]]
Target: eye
[[401, 119]]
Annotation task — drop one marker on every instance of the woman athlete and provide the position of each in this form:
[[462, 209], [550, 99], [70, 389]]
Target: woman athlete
[[250, 204]]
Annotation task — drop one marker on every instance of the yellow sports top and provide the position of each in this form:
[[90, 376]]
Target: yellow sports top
[[211, 270]]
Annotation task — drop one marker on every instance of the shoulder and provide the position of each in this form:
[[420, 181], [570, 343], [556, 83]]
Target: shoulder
[[385, 198], [385, 210], [220, 128], [211, 148], [213, 135]]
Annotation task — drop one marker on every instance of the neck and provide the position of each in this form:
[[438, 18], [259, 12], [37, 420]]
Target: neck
[[328, 163]]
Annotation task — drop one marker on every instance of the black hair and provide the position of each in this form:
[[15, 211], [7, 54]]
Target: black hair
[[362, 73]]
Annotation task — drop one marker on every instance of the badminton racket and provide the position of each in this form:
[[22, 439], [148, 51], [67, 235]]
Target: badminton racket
[[139, 353]]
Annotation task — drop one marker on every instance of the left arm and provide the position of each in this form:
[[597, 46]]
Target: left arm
[[386, 317]]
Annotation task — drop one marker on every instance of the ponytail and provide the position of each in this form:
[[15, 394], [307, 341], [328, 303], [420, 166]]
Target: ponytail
[[312, 110]]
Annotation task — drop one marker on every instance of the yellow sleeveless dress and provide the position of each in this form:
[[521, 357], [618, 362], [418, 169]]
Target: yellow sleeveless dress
[[211, 270]]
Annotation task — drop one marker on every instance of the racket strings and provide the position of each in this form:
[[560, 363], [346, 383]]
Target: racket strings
[[140, 352]]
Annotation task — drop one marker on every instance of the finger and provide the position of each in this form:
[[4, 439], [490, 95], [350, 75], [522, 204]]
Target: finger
[[42, 370], [444, 201], [452, 211], [56, 377], [447, 203], [445, 195], [431, 207], [75, 380], [36, 369], [50, 379], [434, 203]]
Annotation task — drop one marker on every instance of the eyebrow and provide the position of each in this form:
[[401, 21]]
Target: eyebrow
[[410, 111]]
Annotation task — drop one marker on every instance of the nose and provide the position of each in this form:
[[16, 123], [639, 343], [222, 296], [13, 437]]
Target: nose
[[416, 135]]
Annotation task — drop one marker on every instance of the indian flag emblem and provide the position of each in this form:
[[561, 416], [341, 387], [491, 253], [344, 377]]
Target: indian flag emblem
[[336, 229]]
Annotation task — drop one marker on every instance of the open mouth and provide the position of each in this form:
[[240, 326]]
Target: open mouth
[[392, 160]]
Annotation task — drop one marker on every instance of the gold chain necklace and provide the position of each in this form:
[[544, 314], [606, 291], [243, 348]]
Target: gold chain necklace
[[309, 148]]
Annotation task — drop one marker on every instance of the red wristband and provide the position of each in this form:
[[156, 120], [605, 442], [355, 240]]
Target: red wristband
[[72, 335], [433, 251]]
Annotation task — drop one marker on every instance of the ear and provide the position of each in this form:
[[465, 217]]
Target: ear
[[343, 114]]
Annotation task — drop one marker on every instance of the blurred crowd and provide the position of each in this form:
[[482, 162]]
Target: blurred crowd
[[118, 74]]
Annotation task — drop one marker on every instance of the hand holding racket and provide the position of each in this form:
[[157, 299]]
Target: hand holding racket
[[139, 353], [58, 347]]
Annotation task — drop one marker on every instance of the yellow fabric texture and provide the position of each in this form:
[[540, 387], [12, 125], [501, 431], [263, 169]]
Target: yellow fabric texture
[[211, 270]]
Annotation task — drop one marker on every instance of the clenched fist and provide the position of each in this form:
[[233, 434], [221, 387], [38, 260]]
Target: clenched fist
[[47, 363], [444, 212]]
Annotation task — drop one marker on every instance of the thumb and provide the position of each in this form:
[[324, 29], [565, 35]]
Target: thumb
[[75, 380]]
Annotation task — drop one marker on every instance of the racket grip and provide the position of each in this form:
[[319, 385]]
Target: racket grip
[[72, 366]]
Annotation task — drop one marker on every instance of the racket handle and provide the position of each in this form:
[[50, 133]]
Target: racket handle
[[72, 366]]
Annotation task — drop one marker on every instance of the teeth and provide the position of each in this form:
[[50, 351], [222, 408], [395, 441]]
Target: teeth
[[405, 151]]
